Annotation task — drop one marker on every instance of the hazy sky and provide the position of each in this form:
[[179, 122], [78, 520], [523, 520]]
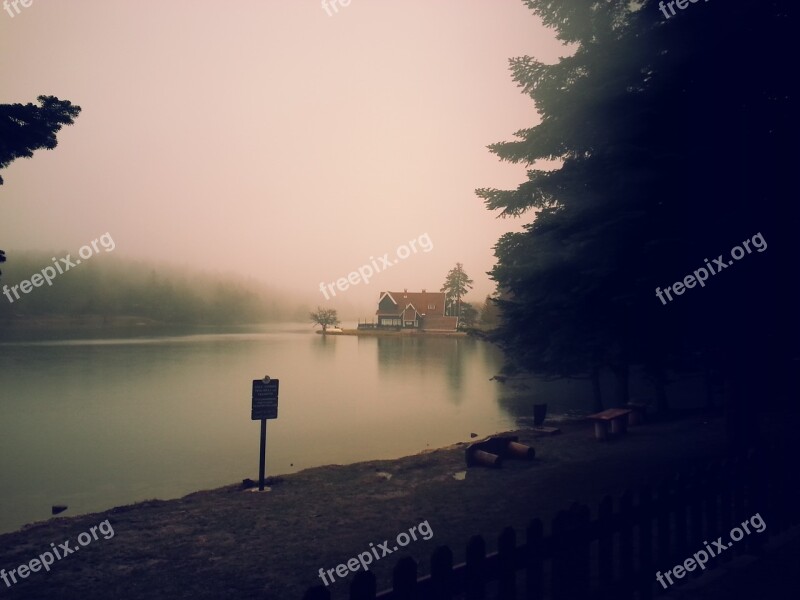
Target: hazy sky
[[269, 139]]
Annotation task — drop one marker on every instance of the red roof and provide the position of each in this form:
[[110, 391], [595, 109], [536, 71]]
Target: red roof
[[420, 300]]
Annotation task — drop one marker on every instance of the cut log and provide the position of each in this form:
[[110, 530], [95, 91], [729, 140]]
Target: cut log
[[518, 450], [487, 459]]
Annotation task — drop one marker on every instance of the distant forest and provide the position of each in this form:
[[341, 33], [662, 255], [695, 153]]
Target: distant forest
[[109, 287]]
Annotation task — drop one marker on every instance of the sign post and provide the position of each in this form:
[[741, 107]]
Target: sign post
[[263, 455], [265, 406]]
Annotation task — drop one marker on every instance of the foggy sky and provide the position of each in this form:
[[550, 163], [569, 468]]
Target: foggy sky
[[268, 139]]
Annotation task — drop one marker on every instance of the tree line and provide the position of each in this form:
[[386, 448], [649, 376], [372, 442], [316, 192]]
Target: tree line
[[114, 287]]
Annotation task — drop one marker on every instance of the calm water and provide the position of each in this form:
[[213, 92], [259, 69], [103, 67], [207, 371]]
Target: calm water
[[99, 423]]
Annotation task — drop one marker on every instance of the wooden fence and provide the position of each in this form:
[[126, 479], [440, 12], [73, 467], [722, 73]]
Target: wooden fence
[[616, 555]]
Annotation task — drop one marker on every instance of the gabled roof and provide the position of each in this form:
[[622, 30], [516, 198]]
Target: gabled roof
[[384, 294], [420, 301], [414, 312]]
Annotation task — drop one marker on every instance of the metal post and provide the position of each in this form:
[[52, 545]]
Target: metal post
[[262, 461]]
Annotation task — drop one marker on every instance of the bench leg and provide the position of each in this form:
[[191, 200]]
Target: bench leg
[[600, 430], [619, 425]]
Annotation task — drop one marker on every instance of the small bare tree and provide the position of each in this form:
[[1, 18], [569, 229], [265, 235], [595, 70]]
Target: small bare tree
[[325, 317]]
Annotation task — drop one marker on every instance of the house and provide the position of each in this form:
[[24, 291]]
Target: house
[[414, 310]]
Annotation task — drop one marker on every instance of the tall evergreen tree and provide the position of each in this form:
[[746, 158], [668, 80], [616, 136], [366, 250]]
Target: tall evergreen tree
[[456, 285], [674, 138]]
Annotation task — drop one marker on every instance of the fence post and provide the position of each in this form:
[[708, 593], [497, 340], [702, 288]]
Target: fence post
[[475, 576], [404, 579], [561, 576], [790, 490], [363, 586], [663, 530], [776, 498], [784, 508], [605, 548], [645, 521], [441, 574], [695, 492], [725, 505], [534, 572], [581, 552], [757, 495], [318, 592], [626, 566], [506, 549], [696, 517], [679, 504], [788, 476], [711, 493], [739, 489]]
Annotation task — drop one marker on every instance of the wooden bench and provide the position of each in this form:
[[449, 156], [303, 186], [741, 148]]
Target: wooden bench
[[616, 417]]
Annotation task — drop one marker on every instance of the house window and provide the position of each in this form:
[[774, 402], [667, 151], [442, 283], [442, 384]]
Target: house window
[[431, 307]]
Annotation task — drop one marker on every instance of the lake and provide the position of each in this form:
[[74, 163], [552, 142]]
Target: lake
[[104, 422]]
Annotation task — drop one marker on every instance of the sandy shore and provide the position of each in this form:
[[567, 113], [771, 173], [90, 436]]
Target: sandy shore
[[231, 543]]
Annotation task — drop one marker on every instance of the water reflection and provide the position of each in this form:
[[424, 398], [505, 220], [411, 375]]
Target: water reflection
[[172, 414], [420, 355]]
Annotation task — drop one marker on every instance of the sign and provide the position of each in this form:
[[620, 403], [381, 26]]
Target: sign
[[265, 406], [265, 399]]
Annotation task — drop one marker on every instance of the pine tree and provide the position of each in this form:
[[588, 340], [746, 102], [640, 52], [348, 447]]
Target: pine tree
[[456, 285], [674, 142], [27, 128]]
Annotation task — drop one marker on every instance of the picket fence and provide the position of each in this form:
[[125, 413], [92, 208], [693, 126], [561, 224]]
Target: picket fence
[[615, 555]]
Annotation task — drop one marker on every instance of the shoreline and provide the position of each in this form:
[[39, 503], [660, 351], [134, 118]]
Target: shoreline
[[229, 543], [408, 333]]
